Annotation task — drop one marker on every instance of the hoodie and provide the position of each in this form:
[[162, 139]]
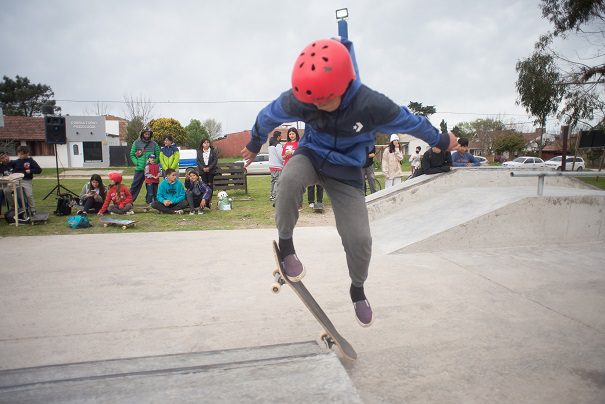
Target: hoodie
[[169, 157], [337, 143], [148, 147], [174, 192]]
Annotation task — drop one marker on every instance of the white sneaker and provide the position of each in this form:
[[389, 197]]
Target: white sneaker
[[311, 205], [179, 212], [192, 212], [130, 212], [200, 212]]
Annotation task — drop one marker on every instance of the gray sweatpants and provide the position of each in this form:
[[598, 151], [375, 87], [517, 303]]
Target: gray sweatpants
[[349, 208]]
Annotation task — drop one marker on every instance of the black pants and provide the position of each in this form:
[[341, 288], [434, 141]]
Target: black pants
[[208, 179], [91, 204], [311, 194], [169, 209]]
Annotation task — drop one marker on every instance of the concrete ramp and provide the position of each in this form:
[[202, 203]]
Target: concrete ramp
[[286, 373], [483, 208]]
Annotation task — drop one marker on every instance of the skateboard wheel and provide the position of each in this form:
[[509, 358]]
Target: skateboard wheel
[[105, 225], [326, 339], [276, 287], [124, 227], [275, 272]]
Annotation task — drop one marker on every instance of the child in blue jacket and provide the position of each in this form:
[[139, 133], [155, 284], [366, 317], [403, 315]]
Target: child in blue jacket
[[342, 117]]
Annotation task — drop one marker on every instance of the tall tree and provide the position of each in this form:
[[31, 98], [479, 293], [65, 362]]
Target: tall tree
[[483, 131], [196, 132], [138, 107], [168, 126], [539, 88], [509, 142], [419, 109], [133, 129], [98, 108], [581, 75], [21, 97], [213, 127]]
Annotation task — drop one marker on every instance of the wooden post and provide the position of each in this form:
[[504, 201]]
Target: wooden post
[[564, 134]]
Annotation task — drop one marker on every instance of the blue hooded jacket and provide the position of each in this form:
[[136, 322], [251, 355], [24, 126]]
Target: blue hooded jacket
[[338, 142]]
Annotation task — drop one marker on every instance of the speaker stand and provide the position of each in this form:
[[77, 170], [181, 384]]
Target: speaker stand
[[59, 187]]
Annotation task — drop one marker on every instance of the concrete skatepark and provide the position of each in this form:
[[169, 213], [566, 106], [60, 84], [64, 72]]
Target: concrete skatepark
[[482, 290]]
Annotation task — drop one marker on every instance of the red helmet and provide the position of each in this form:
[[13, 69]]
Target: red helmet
[[115, 177], [322, 71]]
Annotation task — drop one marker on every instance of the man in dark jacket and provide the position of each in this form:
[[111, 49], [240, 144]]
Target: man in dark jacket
[[140, 151], [434, 161]]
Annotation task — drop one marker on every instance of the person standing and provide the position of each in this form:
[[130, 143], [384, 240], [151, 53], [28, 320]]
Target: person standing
[[368, 170], [291, 144], [276, 162], [415, 159], [207, 159], [153, 172], [169, 154], [28, 166], [139, 154], [391, 163]]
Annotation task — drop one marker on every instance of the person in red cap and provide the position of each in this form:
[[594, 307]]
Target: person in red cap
[[118, 199], [342, 117]]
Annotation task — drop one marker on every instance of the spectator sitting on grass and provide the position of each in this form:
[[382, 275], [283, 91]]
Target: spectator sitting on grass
[[171, 195]]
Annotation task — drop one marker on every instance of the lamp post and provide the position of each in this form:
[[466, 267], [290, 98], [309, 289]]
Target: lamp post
[[341, 16]]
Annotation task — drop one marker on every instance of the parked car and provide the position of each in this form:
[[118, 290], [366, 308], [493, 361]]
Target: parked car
[[524, 162], [555, 163], [482, 160], [260, 165]]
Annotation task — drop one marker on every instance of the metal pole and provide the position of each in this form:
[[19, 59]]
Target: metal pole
[[564, 133], [540, 185]]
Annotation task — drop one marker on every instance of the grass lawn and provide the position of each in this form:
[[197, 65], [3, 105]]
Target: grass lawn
[[252, 210], [594, 181]]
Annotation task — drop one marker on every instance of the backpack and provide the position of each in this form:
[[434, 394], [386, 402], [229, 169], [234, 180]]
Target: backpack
[[79, 221], [64, 203], [10, 217]]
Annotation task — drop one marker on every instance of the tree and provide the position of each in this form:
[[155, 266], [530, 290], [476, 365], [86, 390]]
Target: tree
[[21, 97], [168, 126], [196, 132], [419, 109], [133, 130], [98, 108], [214, 128], [581, 76], [538, 88], [509, 142], [483, 131], [138, 107]]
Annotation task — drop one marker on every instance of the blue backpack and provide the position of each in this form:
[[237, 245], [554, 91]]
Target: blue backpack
[[79, 222]]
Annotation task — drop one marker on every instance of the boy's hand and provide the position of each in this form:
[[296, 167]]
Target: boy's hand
[[167, 203], [248, 156]]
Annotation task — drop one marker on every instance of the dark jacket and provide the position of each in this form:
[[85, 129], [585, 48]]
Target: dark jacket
[[19, 167], [7, 169], [212, 160], [433, 163]]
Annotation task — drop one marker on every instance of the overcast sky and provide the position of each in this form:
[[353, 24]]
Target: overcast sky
[[457, 55]]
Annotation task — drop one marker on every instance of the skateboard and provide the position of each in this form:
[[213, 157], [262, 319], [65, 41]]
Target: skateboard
[[329, 336], [318, 207], [39, 218], [124, 223]]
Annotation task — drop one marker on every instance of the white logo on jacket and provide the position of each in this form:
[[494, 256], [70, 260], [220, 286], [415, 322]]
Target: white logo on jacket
[[358, 127]]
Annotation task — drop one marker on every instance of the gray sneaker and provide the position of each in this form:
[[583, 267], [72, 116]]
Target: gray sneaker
[[293, 268], [363, 312]]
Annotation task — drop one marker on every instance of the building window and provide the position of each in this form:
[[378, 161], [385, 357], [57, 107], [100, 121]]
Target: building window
[[93, 151], [76, 150]]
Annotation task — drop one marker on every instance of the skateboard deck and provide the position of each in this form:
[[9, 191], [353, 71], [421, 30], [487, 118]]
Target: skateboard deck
[[124, 223], [329, 336], [40, 218], [318, 208]]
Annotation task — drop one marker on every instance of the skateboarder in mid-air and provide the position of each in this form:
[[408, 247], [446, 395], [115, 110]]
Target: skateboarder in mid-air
[[342, 117]]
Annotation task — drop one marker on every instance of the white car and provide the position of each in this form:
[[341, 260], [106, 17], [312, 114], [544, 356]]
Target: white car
[[482, 160], [260, 165], [555, 163], [524, 162]]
